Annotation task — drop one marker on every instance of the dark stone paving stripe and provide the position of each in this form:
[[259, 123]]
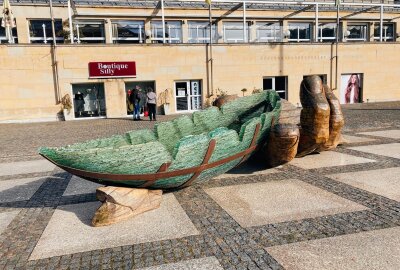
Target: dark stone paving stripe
[[19, 239]]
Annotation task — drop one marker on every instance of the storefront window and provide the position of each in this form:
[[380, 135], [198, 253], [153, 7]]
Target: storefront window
[[3, 36], [357, 32], [199, 32], [173, 32], [327, 32], [269, 32], [143, 88], [128, 32], [233, 32], [89, 32], [278, 83], [300, 32], [40, 31], [89, 100], [387, 33]]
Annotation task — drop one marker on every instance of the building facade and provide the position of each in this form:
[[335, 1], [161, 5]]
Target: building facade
[[256, 45]]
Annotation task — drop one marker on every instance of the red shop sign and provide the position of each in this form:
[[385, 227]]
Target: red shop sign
[[112, 69]]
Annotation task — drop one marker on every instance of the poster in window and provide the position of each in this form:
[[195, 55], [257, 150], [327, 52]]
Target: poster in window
[[351, 88]]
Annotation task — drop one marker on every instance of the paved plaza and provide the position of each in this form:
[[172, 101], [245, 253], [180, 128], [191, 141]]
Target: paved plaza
[[333, 210]]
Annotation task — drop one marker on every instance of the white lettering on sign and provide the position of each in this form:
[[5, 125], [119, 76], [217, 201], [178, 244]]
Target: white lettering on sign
[[109, 69]]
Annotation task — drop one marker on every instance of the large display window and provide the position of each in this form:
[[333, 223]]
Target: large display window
[[143, 88], [89, 100]]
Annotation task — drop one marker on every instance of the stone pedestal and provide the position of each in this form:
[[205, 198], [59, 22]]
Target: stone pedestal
[[121, 203]]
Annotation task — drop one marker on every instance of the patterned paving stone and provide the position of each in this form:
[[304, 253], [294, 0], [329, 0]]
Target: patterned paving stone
[[393, 134], [79, 186], [69, 230], [209, 263], [356, 139], [385, 182], [6, 218], [377, 249], [327, 159], [19, 189], [24, 167], [388, 150], [278, 201]]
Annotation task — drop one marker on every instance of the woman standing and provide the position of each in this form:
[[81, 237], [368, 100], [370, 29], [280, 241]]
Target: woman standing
[[151, 100]]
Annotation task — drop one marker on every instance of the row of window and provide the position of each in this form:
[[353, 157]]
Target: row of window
[[131, 31]]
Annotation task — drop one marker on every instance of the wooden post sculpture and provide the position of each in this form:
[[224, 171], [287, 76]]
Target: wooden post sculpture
[[282, 144], [121, 203], [336, 120], [314, 117]]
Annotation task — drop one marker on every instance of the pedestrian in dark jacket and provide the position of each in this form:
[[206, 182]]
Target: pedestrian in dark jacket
[[135, 100]]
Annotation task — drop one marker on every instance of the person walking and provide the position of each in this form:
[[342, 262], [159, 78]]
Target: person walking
[[151, 100], [135, 100]]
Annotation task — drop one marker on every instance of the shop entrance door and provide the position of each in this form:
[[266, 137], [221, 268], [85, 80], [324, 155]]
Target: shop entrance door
[[188, 95]]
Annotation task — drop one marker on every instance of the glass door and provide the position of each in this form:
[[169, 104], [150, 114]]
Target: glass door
[[188, 95], [182, 96]]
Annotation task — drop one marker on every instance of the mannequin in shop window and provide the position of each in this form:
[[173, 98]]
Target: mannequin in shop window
[[79, 103], [91, 105]]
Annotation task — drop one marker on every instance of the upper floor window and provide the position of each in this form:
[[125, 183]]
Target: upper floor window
[[128, 32], [40, 31], [387, 32], [89, 32], [269, 32], [300, 32], [173, 32], [3, 35], [233, 32], [356, 32], [199, 32], [327, 32]]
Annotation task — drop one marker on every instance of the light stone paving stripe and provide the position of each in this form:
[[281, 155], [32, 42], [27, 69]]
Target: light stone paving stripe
[[377, 249], [208, 263], [388, 150], [6, 218], [19, 189], [78, 186], [24, 167], [70, 231], [327, 159], [356, 139], [278, 201], [393, 134], [385, 182]]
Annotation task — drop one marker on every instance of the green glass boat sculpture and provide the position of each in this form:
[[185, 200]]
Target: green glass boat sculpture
[[178, 153]]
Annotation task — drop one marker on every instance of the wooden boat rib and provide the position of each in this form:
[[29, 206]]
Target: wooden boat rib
[[186, 176]]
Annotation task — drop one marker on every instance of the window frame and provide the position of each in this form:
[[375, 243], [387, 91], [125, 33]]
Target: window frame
[[327, 39], [141, 32], [168, 39], [384, 38], [293, 24], [240, 25], [273, 78], [78, 39], [204, 26], [45, 38], [274, 38], [365, 32]]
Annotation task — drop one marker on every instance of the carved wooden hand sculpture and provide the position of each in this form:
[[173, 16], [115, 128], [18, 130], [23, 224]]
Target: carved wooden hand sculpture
[[314, 117]]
